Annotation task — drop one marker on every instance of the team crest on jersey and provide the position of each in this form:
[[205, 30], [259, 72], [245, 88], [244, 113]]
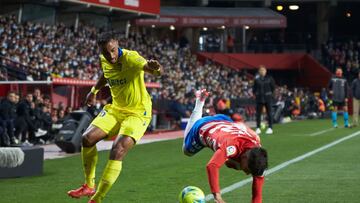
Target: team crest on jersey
[[102, 113], [230, 150]]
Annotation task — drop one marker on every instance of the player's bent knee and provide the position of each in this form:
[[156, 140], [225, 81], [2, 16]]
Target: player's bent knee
[[86, 141], [118, 152], [121, 147]]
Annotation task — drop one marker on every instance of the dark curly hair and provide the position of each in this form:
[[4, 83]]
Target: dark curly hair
[[257, 161], [106, 37]]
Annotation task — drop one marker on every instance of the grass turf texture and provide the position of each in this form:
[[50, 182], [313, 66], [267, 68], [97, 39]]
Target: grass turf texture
[[157, 172]]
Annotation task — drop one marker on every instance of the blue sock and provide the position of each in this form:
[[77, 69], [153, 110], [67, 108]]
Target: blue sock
[[346, 119], [334, 118]]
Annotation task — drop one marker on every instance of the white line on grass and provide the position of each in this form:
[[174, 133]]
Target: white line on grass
[[285, 164], [321, 132]]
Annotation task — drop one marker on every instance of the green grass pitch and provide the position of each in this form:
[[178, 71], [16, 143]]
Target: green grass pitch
[[157, 172]]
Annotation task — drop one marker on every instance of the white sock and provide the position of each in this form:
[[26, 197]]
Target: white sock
[[195, 115]]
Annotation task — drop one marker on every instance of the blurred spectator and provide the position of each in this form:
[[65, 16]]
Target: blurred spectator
[[7, 117], [230, 43], [355, 87], [344, 54], [24, 123], [43, 49]]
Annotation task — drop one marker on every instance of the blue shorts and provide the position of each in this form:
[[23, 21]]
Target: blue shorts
[[192, 141]]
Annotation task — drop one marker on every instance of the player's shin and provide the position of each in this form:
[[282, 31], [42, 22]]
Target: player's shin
[[334, 118], [346, 119], [89, 157], [110, 174]]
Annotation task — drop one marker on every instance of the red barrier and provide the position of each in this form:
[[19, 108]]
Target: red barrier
[[140, 6], [310, 72], [71, 92]]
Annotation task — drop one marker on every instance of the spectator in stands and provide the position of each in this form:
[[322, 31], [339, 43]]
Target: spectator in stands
[[37, 96], [230, 43], [343, 54], [54, 115], [69, 109], [41, 48], [3, 75], [8, 115], [46, 124], [24, 123], [61, 114], [355, 87], [263, 89]]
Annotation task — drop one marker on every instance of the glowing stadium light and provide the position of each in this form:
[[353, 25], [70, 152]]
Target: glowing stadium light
[[223, 27], [205, 28], [172, 27], [279, 7], [348, 14], [246, 27], [294, 7], [153, 26], [201, 40]]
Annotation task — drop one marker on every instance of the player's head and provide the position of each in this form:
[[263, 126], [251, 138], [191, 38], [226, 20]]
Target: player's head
[[109, 46], [257, 161], [262, 70], [338, 72]]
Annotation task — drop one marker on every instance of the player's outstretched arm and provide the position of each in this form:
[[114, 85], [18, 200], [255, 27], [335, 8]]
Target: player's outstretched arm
[[153, 67], [258, 182], [101, 82], [216, 161]]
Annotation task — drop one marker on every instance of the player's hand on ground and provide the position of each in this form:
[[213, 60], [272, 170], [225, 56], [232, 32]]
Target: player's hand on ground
[[218, 198], [202, 94], [90, 98]]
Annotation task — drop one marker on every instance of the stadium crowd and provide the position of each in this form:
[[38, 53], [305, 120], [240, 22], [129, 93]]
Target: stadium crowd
[[344, 54], [49, 50]]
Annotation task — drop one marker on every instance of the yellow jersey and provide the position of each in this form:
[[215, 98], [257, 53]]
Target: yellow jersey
[[126, 81]]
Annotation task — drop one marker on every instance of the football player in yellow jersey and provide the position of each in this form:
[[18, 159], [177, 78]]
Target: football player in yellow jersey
[[127, 117]]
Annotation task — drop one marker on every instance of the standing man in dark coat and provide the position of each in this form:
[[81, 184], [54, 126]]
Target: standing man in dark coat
[[7, 116], [263, 89]]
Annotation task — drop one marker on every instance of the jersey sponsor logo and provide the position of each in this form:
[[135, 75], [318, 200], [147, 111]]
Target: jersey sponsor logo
[[113, 83], [230, 150]]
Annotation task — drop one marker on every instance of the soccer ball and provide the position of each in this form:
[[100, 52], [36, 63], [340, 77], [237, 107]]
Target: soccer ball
[[191, 194], [263, 125]]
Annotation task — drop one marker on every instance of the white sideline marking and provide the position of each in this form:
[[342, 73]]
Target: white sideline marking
[[322, 132], [283, 165]]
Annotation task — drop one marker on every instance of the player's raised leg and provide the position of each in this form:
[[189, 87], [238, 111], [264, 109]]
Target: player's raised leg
[[188, 143], [201, 96], [89, 157]]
